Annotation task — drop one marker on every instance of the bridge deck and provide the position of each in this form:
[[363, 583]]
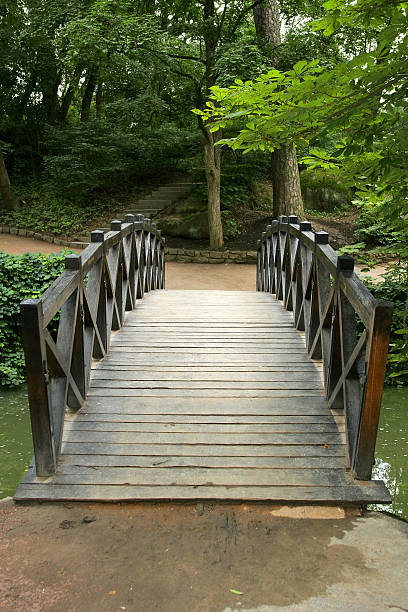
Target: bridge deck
[[205, 395]]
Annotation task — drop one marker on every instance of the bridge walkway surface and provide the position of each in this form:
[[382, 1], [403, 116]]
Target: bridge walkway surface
[[205, 395]]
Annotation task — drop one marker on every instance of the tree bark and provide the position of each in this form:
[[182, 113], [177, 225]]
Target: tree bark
[[267, 21], [212, 154], [287, 195], [8, 199], [69, 95], [52, 107], [88, 93], [212, 162], [99, 99], [25, 98]]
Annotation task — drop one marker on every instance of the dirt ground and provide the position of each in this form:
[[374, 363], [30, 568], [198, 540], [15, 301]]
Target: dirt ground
[[197, 558], [252, 223]]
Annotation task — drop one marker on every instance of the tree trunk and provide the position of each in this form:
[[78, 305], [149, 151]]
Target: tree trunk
[[88, 94], [99, 99], [267, 22], [52, 108], [212, 162], [8, 199], [287, 195], [212, 154], [25, 98], [69, 96]]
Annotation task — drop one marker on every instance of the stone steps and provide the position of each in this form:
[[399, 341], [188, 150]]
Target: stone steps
[[148, 206]]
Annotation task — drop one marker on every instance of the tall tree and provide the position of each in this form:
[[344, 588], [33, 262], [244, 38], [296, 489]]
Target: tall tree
[[8, 199], [287, 195]]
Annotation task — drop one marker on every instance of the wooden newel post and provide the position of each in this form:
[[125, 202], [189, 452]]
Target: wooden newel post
[[259, 266], [98, 236], [163, 263], [37, 382], [377, 347], [73, 262]]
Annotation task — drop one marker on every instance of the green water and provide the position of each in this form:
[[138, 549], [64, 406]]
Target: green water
[[391, 463], [16, 448]]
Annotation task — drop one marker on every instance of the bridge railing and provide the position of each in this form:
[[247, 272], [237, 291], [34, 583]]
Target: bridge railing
[[344, 325], [71, 323]]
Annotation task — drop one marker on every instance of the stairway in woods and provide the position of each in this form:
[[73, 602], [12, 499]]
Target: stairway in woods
[[159, 199]]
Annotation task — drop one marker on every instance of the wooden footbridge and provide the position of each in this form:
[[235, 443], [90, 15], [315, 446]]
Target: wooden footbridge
[[138, 393]]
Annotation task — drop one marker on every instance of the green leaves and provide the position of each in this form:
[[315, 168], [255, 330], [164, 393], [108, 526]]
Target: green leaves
[[21, 277]]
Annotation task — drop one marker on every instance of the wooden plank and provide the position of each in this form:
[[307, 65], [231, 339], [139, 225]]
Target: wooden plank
[[211, 392], [130, 437], [190, 405], [123, 417], [165, 461], [227, 428], [173, 371], [197, 476], [189, 376], [372, 492], [188, 385], [204, 450], [205, 358], [134, 340], [226, 349]]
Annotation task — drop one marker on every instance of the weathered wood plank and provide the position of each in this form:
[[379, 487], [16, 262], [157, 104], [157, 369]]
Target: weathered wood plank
[[197, 476], [205, 358], [165, 461], [371, 492], [118, 347], [131, 437], [204, 450], [190, 405], [172, 385], [121, 373], [235, 428], [123, 417], [210, 392]]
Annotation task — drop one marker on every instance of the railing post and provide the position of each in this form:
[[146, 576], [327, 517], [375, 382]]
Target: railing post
[[148, 255], [140, 257], [116, 226], [101, 318], [37, 382], [130, 219], [258, 265], [377, 347], [73, 262]]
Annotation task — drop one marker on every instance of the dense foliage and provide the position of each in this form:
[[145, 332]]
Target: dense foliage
[[394, 288], [21, 277]]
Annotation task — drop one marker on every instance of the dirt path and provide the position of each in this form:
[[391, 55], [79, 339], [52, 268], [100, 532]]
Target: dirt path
[[18, 245], [179, 276]]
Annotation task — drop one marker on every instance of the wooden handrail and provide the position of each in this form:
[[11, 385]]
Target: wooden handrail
[[91, 297], [328, 300]]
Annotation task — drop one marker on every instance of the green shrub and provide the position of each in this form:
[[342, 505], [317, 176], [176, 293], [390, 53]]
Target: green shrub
[[323, 192], [21, 277], [394, 288], [97, 155], [47, 211], [376, 227]]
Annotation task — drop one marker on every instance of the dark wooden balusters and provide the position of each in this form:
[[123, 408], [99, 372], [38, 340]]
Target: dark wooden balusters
[[344, 325], [70, 324]]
